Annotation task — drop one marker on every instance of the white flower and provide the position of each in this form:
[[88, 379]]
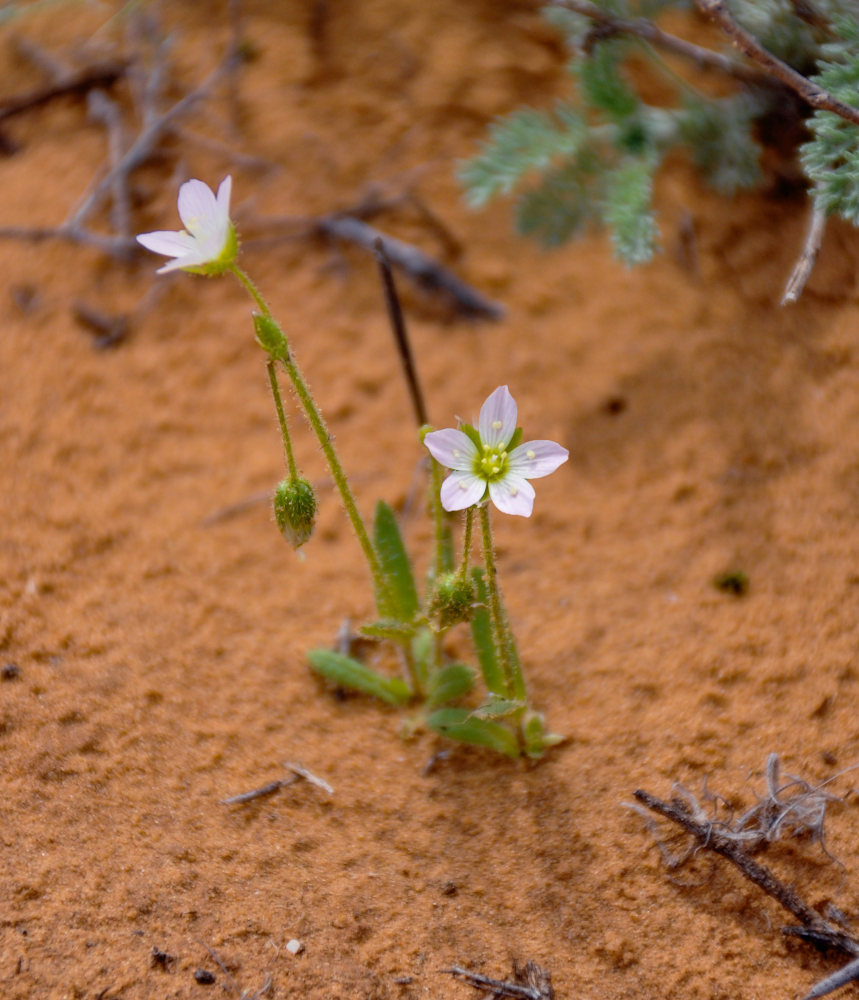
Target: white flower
[[480, 459], [207, 244]]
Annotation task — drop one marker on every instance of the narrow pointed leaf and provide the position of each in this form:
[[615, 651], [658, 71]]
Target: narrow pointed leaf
[[498, 708], [349, 673], [458, 724], [395, 631], [395, 564], [448, 684]]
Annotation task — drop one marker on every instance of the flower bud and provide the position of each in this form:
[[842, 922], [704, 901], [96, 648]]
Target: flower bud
[[269, 335], [453, 600], [295, 510]]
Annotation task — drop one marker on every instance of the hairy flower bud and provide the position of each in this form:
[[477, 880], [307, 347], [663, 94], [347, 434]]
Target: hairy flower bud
[[452, 600], [269, 335], [295, 510]]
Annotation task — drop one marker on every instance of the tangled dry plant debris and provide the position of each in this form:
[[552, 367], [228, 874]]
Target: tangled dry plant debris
[[142, 126], [791, 808], [530, 982]]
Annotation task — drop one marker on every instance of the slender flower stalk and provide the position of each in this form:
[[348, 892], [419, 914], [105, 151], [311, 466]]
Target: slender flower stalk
[[504, 642], [281, 417], [273, 339], [466, 542]]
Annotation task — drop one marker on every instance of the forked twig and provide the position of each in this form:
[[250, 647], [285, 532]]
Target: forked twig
[[647, 31], [813, 94], [801, 812]]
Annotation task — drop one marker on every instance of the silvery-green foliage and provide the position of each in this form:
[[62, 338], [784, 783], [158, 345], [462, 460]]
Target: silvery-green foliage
[[593, 158]]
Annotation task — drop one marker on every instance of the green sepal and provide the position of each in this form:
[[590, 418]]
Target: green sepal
[[387, 629], [395, 565], [537, 740], [473, 435], [448, 684], [349, 673], [498, 708], [484, 644], [459, 724], [515, 440]]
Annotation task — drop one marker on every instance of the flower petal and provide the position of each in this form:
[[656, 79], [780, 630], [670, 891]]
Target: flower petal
[[535, 459], [513, 495], [497, 422], [452, 448], [461, 490], [198, 209], [225, 189], [170, 244]]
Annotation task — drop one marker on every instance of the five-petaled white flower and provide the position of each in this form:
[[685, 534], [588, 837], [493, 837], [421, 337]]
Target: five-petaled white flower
[[207, 244], [482, 459]]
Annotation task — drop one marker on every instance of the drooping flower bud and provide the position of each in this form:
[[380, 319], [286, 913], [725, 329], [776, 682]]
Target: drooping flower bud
[[295, 510], [453, 600], [269, 335]]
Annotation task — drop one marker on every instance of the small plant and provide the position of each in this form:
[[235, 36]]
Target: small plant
[[592, 158], [489, 463]]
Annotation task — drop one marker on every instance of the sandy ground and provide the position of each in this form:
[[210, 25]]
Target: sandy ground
[[153, 638]]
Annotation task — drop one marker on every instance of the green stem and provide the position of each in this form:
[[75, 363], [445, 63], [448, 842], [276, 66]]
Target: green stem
[[281, 416], [439, 525], [252, 289], [466, 542], [316, 421], [502, 634]]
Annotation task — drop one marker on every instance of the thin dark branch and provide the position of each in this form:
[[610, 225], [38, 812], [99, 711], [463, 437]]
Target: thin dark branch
[[847, 974], [401, 337], [647, 31], [428, 273], [717, 11], [141, 149], [533, 983], [101, 75]]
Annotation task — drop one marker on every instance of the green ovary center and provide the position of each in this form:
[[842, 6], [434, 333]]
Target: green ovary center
[[491, 463]]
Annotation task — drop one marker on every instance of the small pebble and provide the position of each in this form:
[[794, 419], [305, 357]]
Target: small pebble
[[294, 947], [204, 977], [10, 672]]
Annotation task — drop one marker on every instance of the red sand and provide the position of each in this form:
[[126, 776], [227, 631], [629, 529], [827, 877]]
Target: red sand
[[160, 652]]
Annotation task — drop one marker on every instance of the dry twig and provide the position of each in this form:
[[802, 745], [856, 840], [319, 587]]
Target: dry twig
[[819, 98], [793, 807], [531, 982], [807, 258]]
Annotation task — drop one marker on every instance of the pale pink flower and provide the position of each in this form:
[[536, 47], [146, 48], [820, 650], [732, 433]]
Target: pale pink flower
[[482, 461], [207, 244]]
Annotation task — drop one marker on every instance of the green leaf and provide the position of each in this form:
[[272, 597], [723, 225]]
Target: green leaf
[[395, 564], [349, 673], [423, 652], [484, 644], [537, 740], [498, 708], [560, 205], [831, 158], [449, 683], [458, 724], [602, 83], [628, 212], [395, 631], [526, 140], [720, 138]]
